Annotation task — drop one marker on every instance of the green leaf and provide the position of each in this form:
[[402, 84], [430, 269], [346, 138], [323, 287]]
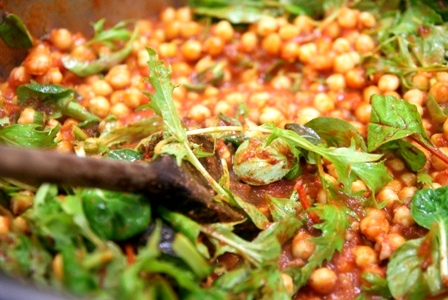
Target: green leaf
[[430, 206], [406, 275], [413, 156], [28, 136], [86, 68], [115, 216], [282, 209], [436, 113], [337, 132], [187, 251], [333, 228], [125, 155], [53, 100], [258, 163], [376, 285], [117, 33], [161, 101], [14, 32], [392, 119]]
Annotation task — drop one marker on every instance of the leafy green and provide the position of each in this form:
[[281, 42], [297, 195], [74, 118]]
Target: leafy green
[[412, 271], [28, 136], [54, 100], [124, 154], [376, 285], [333, 227], [14, 32], [257, 163], [105, 61], [392, 121], [108, 37], [429, 206], [115, 216]]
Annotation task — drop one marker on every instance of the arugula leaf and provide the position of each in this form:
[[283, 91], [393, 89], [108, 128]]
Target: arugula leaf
[[107, 37], [333, 228], [54, 100], [14, 32], [104, 62], [115, 216], [28, 136]]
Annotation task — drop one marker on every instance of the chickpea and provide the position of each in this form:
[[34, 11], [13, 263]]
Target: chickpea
[[61, 39], [82, 53], [344, 63], [27, 116], [270, 115], [222, 107], [374, 224], [281, 82], [323, 103], [224, 30], [415, 96], [304, 23], [364, 44], [388, 82], [288, 32], [358, 186], [249, 41], [336, 82], [57, 266], [341, 45], [189, 29], [306, 114], [289, 51], [168, 15], [21, 201], [402, 216], [38, 62], [288, 283], [307, 52], [143, 57], [213, 46], [386, 245], [272, 43], [437, 163], [5, 225], [119, 77], [348, 18], [366, 19], [440, 91], [363, 111], [364, 256], [332, 30], [323, 280], [101, 88], [100, 106], [184, 14], [420, 81], [19, 224], [18, 76], [369, 91], [199, 113], [355, 78], [132, 98], [119, 109], [396, 164], [302, 246], [172, 30], [266, 26], [191, 50]]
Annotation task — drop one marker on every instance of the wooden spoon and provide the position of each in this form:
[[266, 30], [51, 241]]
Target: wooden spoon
[[179, 188]]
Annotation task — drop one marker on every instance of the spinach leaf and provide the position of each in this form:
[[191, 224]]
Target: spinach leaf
[[53, 100], [28, 136], [14, 32], [115, 216], [413, 270], [429, 206], [393, 119], [337, 132]]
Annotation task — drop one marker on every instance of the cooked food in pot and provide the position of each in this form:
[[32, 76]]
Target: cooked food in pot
[[323, 124]]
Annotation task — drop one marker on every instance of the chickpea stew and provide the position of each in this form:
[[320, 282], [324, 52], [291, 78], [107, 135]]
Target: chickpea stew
[[328, 122]]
